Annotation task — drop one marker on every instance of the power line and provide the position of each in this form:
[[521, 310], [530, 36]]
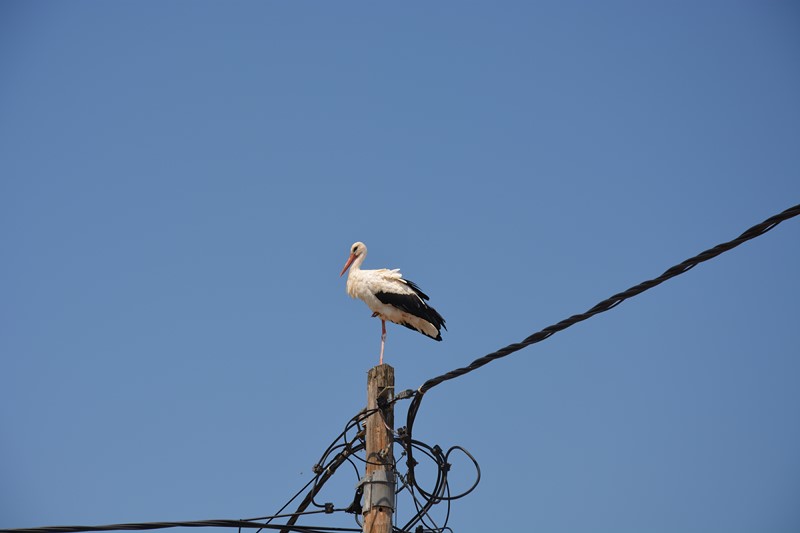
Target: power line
[[164, 525], [423, 500], [347, 449], [605, 305], [613, 301]]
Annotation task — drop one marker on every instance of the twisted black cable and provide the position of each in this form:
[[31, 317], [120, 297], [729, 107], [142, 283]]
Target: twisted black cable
[[613, 301], [605, 305], [163, 525]]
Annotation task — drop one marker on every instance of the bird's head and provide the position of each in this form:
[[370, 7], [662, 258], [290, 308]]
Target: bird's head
[[359, 249]]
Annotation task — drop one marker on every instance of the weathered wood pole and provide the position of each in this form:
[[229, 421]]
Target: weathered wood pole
[[379, 475]]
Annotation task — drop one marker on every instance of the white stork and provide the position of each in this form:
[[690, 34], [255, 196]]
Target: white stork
[[391, 297]]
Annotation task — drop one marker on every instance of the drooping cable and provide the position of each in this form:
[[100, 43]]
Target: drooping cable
[[613, 301], [347, 449], [164, 525], [601, 307]]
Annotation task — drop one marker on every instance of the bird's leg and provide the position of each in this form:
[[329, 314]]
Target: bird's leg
[[383, 338]]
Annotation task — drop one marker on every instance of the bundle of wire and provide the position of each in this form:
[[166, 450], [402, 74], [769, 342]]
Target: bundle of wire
[[350, 449]]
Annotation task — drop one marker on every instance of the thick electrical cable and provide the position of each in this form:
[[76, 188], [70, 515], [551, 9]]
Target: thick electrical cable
[[164, 525], [613, 301], [423, 500], [603, 306]]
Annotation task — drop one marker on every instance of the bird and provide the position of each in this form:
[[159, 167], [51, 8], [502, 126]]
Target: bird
[[391, 297]]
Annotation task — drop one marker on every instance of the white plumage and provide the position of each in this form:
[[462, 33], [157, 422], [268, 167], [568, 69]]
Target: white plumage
[[390, 297]]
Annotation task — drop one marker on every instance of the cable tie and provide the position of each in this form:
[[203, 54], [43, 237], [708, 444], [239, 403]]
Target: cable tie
[[408, 393]]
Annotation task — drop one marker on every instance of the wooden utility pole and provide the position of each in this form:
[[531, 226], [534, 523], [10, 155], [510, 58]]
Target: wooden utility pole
[[379, 474]]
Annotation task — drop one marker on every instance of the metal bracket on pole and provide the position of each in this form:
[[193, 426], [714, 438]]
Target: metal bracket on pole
[[378, 490]]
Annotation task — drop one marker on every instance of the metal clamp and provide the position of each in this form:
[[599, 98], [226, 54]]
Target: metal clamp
[[378, 490]]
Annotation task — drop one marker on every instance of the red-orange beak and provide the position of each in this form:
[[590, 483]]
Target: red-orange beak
[[347, 265]]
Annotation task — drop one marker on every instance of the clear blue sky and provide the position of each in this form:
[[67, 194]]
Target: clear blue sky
[[180, 183]]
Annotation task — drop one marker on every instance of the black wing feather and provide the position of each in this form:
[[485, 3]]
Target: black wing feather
[[413, 286], [413, 304]]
